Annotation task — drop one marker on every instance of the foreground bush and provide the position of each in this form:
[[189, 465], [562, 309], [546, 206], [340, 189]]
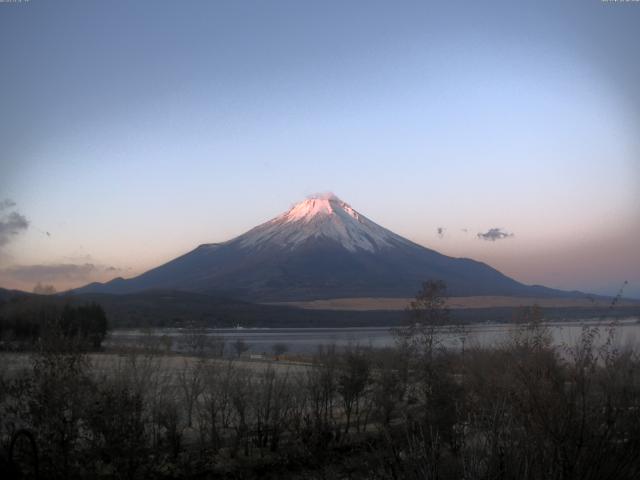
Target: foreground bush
[[523, 410]]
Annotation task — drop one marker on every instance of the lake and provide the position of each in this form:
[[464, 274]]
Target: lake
[[307, 340]]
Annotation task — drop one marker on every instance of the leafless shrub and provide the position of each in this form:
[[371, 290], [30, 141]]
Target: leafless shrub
[[526, 409]]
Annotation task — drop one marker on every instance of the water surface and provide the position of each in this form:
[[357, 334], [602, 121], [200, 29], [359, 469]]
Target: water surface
[[307, 340]]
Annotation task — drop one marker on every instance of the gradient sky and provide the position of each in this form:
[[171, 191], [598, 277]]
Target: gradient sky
[[130, 132]]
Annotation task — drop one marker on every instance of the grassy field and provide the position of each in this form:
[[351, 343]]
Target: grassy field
[[391, 304], [15, 363]]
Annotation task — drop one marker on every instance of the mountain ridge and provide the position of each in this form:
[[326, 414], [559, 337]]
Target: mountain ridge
[[320, 248]]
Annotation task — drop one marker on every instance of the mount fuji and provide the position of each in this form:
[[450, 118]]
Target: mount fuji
[[319, 249]]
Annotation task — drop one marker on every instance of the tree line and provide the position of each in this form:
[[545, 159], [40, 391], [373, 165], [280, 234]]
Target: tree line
[[25, 322]]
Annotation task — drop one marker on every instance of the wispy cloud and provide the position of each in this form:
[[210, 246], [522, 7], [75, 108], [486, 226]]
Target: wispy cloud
[[322, 196], [494, 234], [50, 273], [44, 289], [56, 272]]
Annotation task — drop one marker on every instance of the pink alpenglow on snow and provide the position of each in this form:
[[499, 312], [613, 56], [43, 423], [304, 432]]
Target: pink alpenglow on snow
[[322, 216]]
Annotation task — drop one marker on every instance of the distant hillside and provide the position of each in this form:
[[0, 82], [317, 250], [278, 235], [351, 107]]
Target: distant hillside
[[160, 308], [167, 308], [7, 294]]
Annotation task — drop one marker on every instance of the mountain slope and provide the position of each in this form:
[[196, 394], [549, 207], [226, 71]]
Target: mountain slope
[[320, 248]]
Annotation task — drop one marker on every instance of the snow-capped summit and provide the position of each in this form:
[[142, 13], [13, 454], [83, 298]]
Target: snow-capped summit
[[321, 217], [320, 248], [326, 204]]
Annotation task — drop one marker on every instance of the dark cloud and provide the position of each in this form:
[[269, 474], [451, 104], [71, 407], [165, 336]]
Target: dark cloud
[[43, 232], [494, 234], [6, 203], [11, 224]]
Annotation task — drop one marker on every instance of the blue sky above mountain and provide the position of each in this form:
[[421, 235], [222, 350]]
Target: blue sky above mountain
[[133, 131]]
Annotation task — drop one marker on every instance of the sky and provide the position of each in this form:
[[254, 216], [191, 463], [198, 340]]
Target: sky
[[507, 132]]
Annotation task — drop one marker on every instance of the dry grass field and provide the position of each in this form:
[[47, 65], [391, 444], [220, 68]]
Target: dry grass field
[[14, 363], [369, 303]]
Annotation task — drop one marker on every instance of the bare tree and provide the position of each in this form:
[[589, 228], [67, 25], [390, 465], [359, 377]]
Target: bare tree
[[191, 385], [353, 379], [215, 409], [241, 400], [195, 342], [240, 347], [321, 391], [279, 349], [427, 314]]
